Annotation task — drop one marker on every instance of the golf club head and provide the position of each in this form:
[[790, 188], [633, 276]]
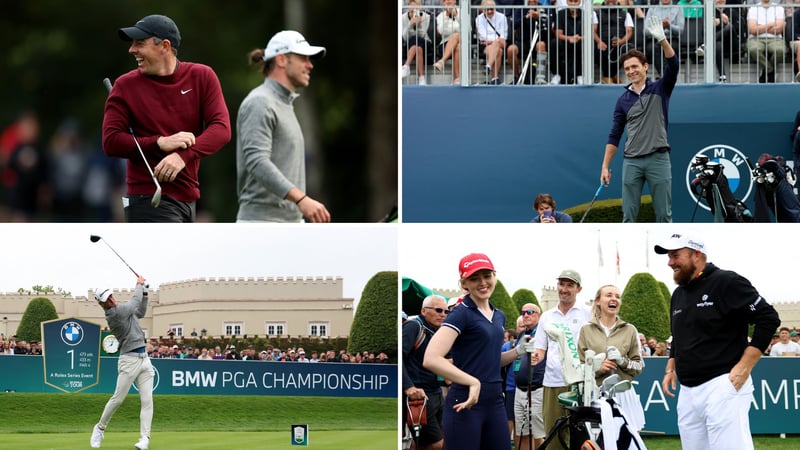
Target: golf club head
[[622, 386], [94, 238], [609, 382], [157, 196]]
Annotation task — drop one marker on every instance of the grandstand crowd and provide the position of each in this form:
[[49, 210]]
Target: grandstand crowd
[[546, 42], [169, 347]]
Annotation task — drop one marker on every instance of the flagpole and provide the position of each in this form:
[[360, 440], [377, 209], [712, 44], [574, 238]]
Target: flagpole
[[600, 263]]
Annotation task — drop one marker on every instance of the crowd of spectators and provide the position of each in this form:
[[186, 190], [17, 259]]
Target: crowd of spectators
[[161, 349], [785, 342], [169, 348], [758, 32], [12, 346], [58, 177]]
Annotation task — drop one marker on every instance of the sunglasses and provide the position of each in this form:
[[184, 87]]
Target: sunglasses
[[439, 310], [529, 312]]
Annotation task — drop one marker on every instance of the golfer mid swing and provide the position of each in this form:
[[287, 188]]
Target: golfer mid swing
[[133, 363]]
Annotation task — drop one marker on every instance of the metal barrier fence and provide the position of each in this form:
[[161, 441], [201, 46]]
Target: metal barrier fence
[[548, 44]]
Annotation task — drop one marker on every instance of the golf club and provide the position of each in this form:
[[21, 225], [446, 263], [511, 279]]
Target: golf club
[[592, 204], [157, 196], [95, 238], [527, 63]]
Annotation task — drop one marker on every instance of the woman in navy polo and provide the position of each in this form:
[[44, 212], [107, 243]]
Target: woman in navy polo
[[474, 414]]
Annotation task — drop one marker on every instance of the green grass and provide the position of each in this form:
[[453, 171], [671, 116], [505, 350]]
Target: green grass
[[791, 442], [65, 421], [238, 440]]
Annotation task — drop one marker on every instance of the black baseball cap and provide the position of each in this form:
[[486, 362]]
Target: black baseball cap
[[154, 25]]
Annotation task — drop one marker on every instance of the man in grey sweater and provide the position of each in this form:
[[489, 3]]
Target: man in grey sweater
[[270, 150], [133, 363]]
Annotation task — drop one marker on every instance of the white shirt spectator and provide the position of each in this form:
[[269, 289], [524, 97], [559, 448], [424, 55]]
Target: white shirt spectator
[[780, 349], [491, 29], [575, 318], [764, 15], [447, 25], [420, 30]]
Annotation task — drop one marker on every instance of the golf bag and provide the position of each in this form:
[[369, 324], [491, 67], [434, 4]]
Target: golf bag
[[594, 420], [591, 426], [774, 192], [712, 185]]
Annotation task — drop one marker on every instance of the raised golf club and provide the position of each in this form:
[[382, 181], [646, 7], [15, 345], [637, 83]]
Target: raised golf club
[[95, 238], [157, 196]]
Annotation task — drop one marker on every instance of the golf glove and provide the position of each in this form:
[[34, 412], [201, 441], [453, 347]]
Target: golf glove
[[525, 345], [614, 354], [656, 29]]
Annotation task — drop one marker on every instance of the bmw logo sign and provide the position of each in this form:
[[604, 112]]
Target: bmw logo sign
[[72, 333], [734, 167]]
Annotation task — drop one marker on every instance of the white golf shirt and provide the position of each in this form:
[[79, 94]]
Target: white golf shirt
[[575, 318]]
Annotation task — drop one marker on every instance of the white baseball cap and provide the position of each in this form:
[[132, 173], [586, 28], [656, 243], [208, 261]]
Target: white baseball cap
[[288, 41], [678, 241], [102, 294]]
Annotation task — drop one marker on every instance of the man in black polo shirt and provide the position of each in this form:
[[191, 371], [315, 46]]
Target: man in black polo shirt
[[711, 355]]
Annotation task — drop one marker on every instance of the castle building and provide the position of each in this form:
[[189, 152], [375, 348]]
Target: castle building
[[265, 306]]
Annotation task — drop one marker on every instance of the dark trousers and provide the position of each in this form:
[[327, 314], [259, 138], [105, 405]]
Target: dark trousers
[[566, 60], [169, 210]]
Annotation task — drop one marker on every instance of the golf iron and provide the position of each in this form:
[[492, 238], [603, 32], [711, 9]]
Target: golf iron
[[157, 196], [592, 204]]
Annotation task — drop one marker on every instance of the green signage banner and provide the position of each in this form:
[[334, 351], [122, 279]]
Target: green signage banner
[[71, 349]]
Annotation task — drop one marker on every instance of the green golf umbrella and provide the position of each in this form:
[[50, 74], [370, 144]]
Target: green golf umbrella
[[413, 295]]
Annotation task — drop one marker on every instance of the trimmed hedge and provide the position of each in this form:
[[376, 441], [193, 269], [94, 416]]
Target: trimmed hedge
[[610, 211]]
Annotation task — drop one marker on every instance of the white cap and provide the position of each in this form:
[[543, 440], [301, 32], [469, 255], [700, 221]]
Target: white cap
[[102, 294], [454, 301], [288, 41], [678, 241]]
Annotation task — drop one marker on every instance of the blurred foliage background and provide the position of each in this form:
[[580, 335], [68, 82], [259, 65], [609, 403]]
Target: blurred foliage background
[[56, 53]]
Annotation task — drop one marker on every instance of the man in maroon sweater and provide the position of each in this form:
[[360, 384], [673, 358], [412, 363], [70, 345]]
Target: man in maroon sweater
[[178, 114]]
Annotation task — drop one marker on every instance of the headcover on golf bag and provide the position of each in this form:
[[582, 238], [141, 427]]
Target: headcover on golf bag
[[712, 185], [575, 372], [774, 192]]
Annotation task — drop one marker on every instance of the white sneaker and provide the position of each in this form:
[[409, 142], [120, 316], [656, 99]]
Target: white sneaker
[[406, 71], [701, 51], [797, 77], [422, 81], [540, 79], [143, 443], [97, 437], [556, 79], [579, 80]]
